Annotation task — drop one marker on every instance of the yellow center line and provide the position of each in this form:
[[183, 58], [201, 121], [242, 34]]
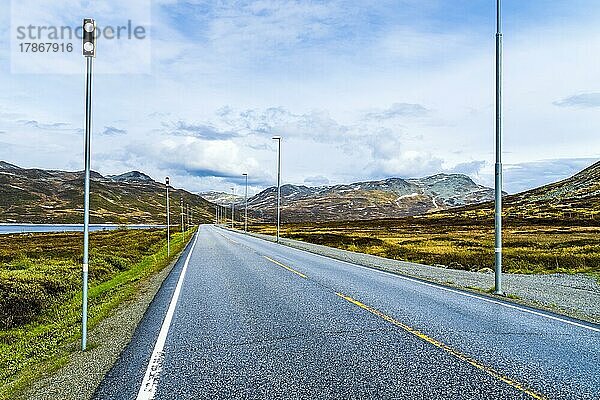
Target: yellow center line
[[446, 348], [300, 274]]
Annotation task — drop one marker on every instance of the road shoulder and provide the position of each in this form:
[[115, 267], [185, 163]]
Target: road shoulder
[[83, 372]]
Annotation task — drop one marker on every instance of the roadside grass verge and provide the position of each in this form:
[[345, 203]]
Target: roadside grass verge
[[40, 289], [528, 249]]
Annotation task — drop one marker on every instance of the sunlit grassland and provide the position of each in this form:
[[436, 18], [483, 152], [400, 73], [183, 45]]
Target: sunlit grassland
[[528, 248], [40, 291]]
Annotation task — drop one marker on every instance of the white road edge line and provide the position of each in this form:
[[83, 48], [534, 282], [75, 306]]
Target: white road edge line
[[541, 314], [150, 382]]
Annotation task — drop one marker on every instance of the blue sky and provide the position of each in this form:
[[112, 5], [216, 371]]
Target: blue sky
[[358, 90]]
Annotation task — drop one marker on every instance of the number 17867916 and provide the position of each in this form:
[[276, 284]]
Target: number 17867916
[[46, 47]]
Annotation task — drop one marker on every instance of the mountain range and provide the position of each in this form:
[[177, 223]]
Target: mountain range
[[388, 198], [50, 196], [574, 198], [224, 199]]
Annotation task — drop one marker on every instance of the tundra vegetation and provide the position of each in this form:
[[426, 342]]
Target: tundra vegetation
[[40, 292], [459, 242]]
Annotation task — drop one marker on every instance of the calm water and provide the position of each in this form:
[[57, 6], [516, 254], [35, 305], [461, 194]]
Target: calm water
[[26, 228]]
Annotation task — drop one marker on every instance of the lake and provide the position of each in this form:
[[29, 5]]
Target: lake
[[30, 228]]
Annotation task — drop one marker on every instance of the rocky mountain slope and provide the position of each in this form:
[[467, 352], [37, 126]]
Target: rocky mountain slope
[[224, 199], [576, 199], [389, 198], [45, 196]]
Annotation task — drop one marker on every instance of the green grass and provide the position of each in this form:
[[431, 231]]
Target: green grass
[[40, 291], [462, 244]]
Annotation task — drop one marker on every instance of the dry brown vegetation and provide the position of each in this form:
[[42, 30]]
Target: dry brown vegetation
[[539, 246]]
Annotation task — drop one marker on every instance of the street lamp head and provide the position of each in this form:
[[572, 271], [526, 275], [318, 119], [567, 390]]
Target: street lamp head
[[167, 180], [89, 37], [276, 137], [244, 174], [89, 27]]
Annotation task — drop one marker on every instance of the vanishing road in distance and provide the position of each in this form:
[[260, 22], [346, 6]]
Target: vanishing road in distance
[[244, 318]]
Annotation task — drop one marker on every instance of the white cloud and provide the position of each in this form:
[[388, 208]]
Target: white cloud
[[228, 76], [583, 100]]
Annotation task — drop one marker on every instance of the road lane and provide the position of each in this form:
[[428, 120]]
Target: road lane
[[554, 357], [124, 379], [259, 320]]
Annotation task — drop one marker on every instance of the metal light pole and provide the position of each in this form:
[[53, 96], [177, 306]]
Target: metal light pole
[[246, 205], [278, 138], [168, 219], [232, 208], [89, 52], [498, 166], [182, 225], [216, 215]]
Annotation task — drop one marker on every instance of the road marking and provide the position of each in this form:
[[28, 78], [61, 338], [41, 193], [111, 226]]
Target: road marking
[[455, 291], [150, 382], [445, 347], [286, 267], [447, 289], [474, 296]]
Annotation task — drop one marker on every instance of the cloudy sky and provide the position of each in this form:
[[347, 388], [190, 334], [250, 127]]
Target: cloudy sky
[[358, 90]]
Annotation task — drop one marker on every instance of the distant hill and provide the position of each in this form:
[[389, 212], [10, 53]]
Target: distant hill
[[574, 198], [48, 196], [222, 198], [389, 198], [133, 176]]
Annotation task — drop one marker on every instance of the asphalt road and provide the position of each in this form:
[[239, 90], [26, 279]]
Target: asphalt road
[[243, 318]]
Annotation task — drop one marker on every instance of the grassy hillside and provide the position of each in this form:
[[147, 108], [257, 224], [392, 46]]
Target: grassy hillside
[[40, 292], [575, 200], [40, 196]]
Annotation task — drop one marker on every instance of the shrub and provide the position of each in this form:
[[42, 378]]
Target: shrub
[[21, 298]]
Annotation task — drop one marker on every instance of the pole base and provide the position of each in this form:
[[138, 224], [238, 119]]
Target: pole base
[[499, 293]]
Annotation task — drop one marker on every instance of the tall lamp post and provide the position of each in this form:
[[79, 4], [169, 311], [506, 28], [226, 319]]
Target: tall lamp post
[[232, 207], [168, 219], [246, 205], [182, 225], [89, 52], [278, 138], [498, 166]]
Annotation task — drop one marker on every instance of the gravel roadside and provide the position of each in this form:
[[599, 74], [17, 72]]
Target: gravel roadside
[[80, 377], [576, 296]]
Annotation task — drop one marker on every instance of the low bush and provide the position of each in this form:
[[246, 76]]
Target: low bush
[[40, 291], [528, 248]]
